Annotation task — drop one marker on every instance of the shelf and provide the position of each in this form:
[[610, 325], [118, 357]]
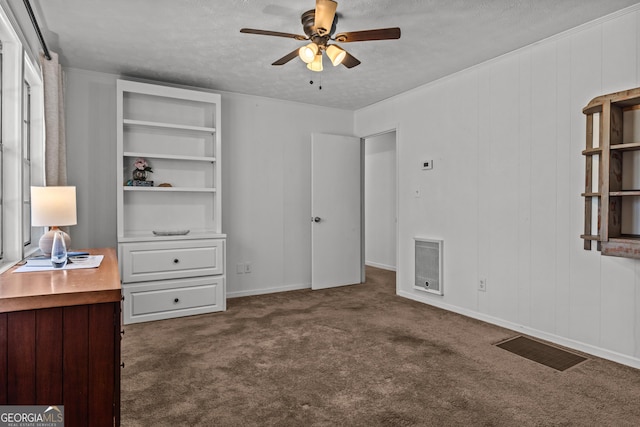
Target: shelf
[[625, 98], [592, 151], [626, 238], [634, 193], [589, 237], [622, 246], [625, 147], [169, 189], [178, 132], [169, 157], [615, 203], [159, 125], [148, 236]]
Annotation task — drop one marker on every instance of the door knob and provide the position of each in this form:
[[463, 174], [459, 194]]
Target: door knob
[[316, 219]]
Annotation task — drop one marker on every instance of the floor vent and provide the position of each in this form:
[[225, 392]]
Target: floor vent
[[542, 353], [428, 265]]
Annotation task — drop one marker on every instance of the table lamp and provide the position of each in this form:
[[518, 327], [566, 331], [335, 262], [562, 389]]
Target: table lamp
[[53, 207]]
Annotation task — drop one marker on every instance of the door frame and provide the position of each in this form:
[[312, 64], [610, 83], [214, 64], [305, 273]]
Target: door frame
[[397, 203]]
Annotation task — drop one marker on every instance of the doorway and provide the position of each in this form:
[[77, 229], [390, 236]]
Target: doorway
[[380, 200]]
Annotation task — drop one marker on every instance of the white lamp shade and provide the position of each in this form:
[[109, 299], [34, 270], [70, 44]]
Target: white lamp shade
[[53, 206], [308, 53], [336, 54], [316, 65]]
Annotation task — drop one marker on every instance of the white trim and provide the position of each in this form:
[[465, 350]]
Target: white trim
[[265, 291], [33, 76], [12, 83], [381, 266], [211, 90], [384, 129], [565, 342]]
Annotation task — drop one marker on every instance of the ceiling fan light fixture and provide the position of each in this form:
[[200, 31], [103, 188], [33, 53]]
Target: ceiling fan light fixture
[[308, 53], [316, 64], [336, 54]]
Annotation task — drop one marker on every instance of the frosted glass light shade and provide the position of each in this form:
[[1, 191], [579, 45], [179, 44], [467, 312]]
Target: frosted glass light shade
[[53, 206], [308, 53], [336, 54], [316, 65]]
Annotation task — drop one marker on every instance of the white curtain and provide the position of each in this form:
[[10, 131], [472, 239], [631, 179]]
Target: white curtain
[[55, 144]]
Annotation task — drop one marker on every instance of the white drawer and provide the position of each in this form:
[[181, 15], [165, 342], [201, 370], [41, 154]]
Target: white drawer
[[173, 298], [146, 261]]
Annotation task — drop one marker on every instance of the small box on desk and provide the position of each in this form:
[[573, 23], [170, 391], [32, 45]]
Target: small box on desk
[[138, 183]]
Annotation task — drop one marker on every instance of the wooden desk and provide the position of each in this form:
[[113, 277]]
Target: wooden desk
[[60, 341]]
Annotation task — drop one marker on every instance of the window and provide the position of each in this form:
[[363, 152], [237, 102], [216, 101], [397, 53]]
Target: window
[[1, 168], [26, 164], [21, 144]]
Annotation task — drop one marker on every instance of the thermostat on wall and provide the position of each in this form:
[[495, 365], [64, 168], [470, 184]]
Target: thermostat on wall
[[427, 164]]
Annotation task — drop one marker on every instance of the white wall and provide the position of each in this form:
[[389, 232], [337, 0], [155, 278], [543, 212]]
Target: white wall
[[266, 178], [506, 138], [90, 108], [380, 200], [266, 203]]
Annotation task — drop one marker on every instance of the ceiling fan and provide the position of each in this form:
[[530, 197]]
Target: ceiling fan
[[319, 25]]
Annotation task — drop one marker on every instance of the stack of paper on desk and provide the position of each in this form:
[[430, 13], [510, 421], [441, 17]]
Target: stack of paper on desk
[[44, 264]]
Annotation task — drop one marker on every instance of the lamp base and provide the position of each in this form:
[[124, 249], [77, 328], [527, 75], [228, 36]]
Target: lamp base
[[46, 241]]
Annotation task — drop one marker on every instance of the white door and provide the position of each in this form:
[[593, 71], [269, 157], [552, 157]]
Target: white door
[[336, 209]]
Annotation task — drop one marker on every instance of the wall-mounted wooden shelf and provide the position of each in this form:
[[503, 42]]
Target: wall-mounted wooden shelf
[[611, 195]]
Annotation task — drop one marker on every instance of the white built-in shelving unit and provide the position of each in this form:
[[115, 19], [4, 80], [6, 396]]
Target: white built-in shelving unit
[[165, 272]]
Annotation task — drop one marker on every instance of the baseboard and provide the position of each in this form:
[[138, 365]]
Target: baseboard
[[264, 291], [381, 266], [565, 342]]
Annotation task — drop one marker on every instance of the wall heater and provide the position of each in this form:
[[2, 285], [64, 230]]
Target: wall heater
[[428, 265]]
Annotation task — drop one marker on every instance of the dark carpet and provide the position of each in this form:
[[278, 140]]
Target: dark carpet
[[355, 356]]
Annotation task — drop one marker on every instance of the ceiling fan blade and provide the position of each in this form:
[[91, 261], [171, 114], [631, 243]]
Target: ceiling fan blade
[[272, 33], [350, 61], [366, 35], [288, 57], [325, 13]]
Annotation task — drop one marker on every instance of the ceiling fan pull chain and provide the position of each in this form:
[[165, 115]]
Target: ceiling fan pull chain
[[319, 84]]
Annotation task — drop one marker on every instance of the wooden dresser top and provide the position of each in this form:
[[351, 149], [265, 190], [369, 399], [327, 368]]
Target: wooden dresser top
[[59, 288]]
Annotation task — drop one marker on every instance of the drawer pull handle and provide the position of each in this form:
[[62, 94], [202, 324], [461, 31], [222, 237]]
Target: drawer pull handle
[[176, 300], [176, 260]]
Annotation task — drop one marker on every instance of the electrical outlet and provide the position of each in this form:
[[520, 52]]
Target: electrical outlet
[[427, 164], [482, 285], [247, 267]]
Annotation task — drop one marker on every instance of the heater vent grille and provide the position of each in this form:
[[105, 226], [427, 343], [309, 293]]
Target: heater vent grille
[[542, 353], [428, 265]]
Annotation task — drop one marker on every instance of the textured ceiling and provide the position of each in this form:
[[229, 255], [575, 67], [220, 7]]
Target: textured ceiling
[[198, 43]]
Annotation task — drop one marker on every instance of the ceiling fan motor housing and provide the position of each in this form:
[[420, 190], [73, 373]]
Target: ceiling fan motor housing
[[308, 24]]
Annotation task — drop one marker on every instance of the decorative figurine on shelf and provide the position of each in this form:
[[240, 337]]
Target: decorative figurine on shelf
[[141, 169]]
